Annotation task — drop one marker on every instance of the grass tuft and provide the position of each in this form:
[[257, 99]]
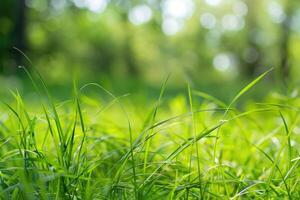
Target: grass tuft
[[108, 147]]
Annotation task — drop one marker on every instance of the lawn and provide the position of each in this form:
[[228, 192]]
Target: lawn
[[191, 145]]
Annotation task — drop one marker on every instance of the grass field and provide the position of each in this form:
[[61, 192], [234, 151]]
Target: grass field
[[190, 146]]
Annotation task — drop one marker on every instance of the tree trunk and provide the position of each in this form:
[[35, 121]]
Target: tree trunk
[[252, 68], [19, 36], [284, 44]]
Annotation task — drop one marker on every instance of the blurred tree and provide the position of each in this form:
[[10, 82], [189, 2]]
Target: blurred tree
[[6, 30], [128, 52], [19, 35], [285, 62], [12, 34], [253, 53], [187, 36]]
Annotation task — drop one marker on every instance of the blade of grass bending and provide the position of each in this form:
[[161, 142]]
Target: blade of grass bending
[[56, 118], [111, 103], [172, 193], [23, 143], [194, 129], [182, 147], [15, 113], [209, 97], [248, 87], [62, 136], [79, 112], [288, 137], [38, 91], [244, 191], [236, 97], [294, 167], [58, 147], [200, 136], [277, 167], [118, 174], [30, 122], [139, 140], [152, 123], [282, 106], [70, 144], [56, 141], [79, 108]]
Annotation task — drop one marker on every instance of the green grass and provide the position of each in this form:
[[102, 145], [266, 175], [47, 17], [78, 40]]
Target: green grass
[[190, 146]]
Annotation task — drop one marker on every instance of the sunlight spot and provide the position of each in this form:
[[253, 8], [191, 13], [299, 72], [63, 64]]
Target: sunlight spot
[[96, 6], [213, 2], [208, 20], [224, 62], [178, 8], [171, 26], [276, 141], [140, 14], [240, 8], [79, 3], [293, 143], [58, 4], [276, 12], [232, 23]]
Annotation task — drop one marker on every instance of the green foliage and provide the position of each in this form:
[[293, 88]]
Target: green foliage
[[228, 41]]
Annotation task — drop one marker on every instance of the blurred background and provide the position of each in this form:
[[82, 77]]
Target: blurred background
[[217, 45]]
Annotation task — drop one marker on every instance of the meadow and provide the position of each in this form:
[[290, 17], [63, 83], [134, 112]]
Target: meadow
[[149, 99], [96, 145]]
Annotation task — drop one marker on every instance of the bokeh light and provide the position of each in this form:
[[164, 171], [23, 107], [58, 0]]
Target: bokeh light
[[140, 14]]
